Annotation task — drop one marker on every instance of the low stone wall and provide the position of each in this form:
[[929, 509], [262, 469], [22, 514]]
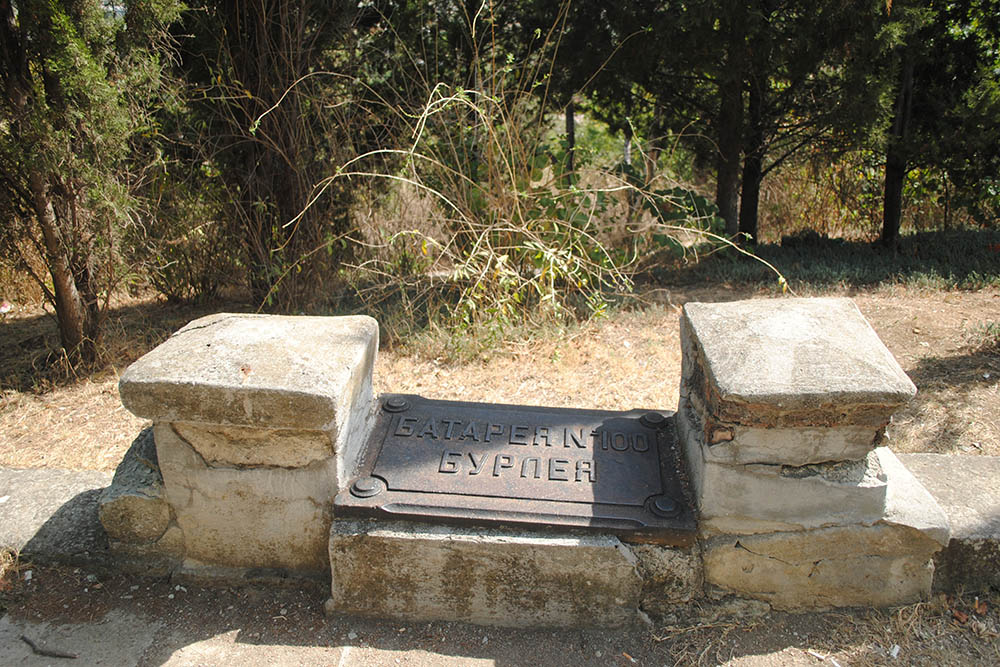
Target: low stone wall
[[259, 421]]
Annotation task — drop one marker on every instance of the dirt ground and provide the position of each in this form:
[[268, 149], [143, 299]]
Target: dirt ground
[[628, 360], [124, 620]]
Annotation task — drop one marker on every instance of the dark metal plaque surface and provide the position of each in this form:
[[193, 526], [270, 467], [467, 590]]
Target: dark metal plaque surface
[[473, 462]]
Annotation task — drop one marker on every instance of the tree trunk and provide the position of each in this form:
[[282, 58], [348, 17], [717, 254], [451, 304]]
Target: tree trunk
[[570, 141], [71, 312], [627, 151], [652, 159], [730, 125], [753, 164], [895, 158], [727, 182]]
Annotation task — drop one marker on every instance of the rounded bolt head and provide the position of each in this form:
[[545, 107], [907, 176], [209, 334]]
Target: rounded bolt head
[[653, 420], [366, 487], [396, 404], [665, 506]]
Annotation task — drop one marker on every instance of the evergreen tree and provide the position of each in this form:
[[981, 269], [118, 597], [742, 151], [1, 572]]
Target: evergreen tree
[[78, 78], [746, 85], [945, 61]]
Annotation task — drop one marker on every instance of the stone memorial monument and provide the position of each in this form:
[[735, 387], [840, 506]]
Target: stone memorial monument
[[269, 457]]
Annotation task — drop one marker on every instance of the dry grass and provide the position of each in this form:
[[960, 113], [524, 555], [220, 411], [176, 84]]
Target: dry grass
[[82, 426], [8, 567], [958, 384], [628, 360], [948, 630], [631, 360]]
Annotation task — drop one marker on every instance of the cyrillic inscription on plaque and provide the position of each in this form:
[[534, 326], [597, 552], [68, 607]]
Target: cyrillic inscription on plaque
[[549, 466]]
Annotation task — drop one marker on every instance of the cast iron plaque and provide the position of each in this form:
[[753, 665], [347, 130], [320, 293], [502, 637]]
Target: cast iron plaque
[[474, 462]]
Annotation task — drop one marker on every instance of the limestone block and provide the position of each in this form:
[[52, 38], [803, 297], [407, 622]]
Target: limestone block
[[133, 509], [245, 446], [777, 363], [965, 486], [908, 503], [878, 565], [759, 497], [247, 517], [670, 576], [420, 572], [881, 564], [795, 446], [262, 371]]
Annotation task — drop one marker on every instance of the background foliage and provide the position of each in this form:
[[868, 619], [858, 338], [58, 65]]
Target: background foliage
[[483, 165]]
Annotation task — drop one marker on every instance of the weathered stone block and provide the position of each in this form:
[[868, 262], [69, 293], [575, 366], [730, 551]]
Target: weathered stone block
[[884, 563], [795, 446], [966, 488], [263, 371], [412, 571], [761, 497], [787, 363], [133, 509], [246, 446], [877, 565], [247, 517], [670, 576]]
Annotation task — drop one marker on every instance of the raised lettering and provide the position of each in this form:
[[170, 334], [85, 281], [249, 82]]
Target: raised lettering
[[577, 438], [405, 426], [541, 433], [429, 429], [537, 466], [477, 467], [452, 423], [558, 471], [449, 461], [640, 438], [493, 429], [502, 462], [518, 435], [585, 467], [619, 441], [470, 432]]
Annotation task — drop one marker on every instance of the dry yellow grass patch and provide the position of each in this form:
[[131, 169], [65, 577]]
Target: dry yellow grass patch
[[82, 426], [631, 360]]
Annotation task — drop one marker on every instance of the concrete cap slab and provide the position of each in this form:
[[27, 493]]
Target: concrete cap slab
[[792, 362], [254, 370]]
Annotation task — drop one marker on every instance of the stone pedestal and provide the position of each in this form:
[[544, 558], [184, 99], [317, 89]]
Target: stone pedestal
[[257, 421], [783, 405]]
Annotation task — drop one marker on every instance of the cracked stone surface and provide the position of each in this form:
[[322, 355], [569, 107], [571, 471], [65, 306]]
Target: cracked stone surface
[[243, 446], [878, 565], [268, 517], [791, 445], [412, 571], [762, 498]]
